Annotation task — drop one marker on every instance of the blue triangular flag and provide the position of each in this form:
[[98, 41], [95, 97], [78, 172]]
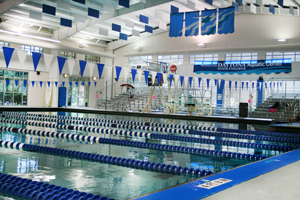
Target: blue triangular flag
[[216, 81], [16, 82], [158, 77], [270, 84], [266, 85], [171, 79], [277, 84], [191, 80], [242, 85], [7, 51], [41, 83], [100, 69], [280, 84], [230, 85], [146, 73], [36, 59], [181, 80], [70, 83], [207, 82], [252, 85], [82, 65], [118, 71], [63, 83], [247, 85], [95, 83], [32, 82], [76, 84], [24, 83], [133, 73], [89, 84], [199, 81], [56, 83], [82, 83], [49, 83], [236, 85], [7, 82], [61, 62], [274, 84]]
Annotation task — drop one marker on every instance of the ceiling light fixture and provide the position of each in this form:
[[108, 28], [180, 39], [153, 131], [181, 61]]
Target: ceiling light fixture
[[282, 41], [202, 45], [65, 75], [94, 78], [139, 49], [84, 46], [136, 47]]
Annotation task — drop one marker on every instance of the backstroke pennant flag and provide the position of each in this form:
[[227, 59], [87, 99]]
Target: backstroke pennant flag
[[181, 80], [208, 22], [32, 82], [95, 83], [171, 79], [191, 80], [118, 71], [146, 73], [61, 62], [7, 51], [36, 59], [70, 83], [199, 81], [133, 73], [56, 82], [176, 24], [22, 56], [230, 85], [16, 82], [236, 83], [41, 83], [191, 23], [100, 69], [48, 59], [226, 20], [50, 83], [158, 77], [207, 83], [82, 65]]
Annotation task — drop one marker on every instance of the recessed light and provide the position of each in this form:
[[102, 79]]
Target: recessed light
[[136, 47], [282, 41], [202, 45], [84, 46]]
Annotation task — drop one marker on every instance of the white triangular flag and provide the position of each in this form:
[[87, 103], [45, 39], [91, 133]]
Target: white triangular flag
[[48, 59], [176, 80], [140, 74], [153, 77], [22, 56], [186, 82], [108, 72], [91, 67], [126, 72], [165, 77], [71, 64]]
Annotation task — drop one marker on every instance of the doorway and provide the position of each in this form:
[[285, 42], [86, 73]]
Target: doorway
[[78, 92]]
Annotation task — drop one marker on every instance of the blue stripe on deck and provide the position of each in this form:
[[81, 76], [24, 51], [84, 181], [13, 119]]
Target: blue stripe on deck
[[239, 175]]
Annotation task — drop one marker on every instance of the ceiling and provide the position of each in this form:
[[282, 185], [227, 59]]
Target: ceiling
[[15, 17]]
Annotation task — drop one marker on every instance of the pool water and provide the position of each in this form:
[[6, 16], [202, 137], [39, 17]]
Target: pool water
[[114, 181]]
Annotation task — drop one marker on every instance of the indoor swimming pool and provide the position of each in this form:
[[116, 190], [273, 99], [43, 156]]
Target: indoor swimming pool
[[95, 156]]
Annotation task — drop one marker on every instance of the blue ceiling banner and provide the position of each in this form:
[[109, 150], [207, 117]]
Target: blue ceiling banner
[[49, 83], [118, 71], [24, 83], [66, 22], [192, 23], [148, 29], [144, 19], [7, 51], [199, 81], [158, 77], [242, 85], [262, 66], [174, 9], [123, 36], [89, 84], [125, 3], [82, 65], [133, 73], [7, 82], [171, 79], [226, 20], [176, 24], [93, 13], [41, 83], [49, 10], [280, 2], [16, 82], [272, 9], [210, 2], [100, 69], [95, 83], [146, 74], [70, 83], [239, 2], [181, 80], [61, 62], [116, 27], [32, 82], [36, 59], [56, 83], [208, 22], [207, 83], [76, 83], [63, 84], [230, 85], [80, 1], [236, 83], [191, 81], [236, 6]]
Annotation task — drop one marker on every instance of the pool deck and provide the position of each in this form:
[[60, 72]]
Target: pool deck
[[228, 119], [275, 178], [287, 128]]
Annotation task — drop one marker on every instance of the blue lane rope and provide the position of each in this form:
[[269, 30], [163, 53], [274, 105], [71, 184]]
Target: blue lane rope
[[167, 130], [132, 163], [160, 147], [41, 191], [155, 136], [162, 125]]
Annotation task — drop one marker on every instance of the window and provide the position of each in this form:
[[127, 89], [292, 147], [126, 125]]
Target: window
[[139, 59], [204, 59], [3, 44], [67, 54], [178, 59], [283, 56], [241, 58], [91, 58], [30, 49], [13, 87]]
